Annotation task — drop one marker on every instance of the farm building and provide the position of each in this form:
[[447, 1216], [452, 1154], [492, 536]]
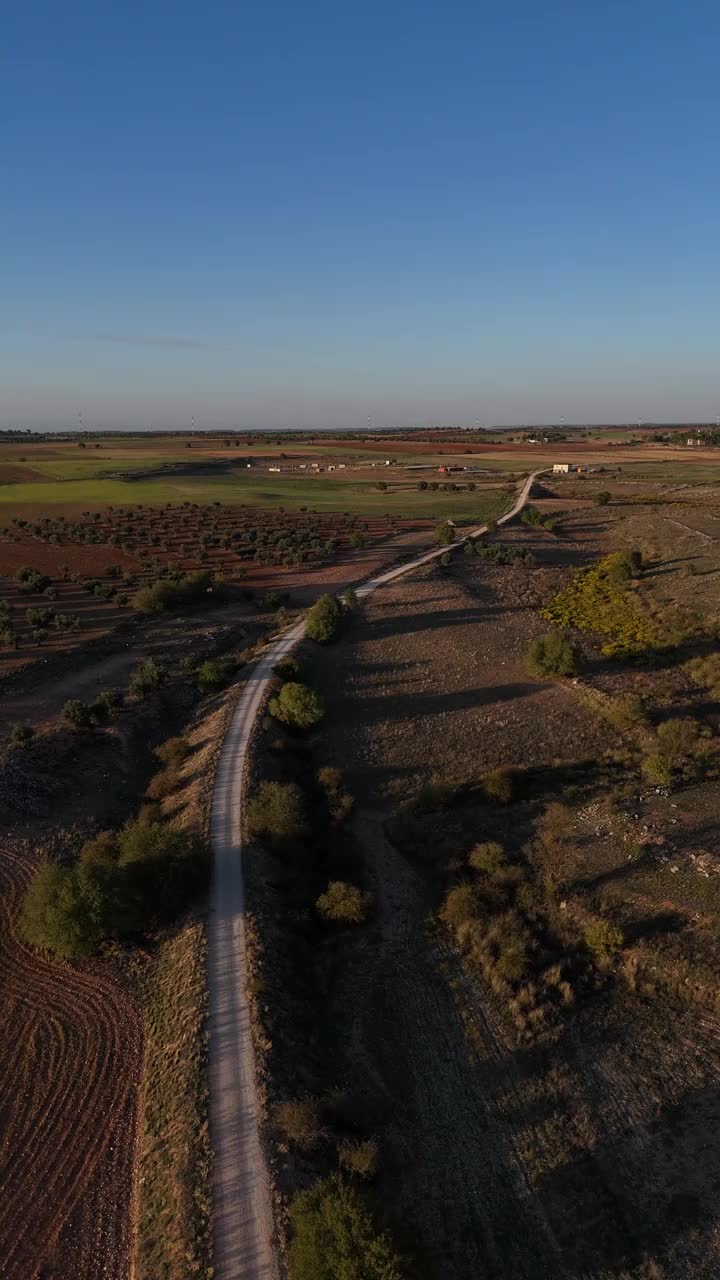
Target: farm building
[[564, 467]]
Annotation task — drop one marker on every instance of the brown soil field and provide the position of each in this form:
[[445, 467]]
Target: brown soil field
[[71, 1067], [585, 1148], [68, 1095], [171, 537], [14, 473]]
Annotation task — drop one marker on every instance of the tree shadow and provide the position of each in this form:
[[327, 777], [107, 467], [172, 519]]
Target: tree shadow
[[653, 926], [642, 1191]]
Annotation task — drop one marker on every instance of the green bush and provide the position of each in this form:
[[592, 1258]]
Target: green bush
[[213, 674], [444, 534], [603, 938], [350, 600], [124, 882], [597, 600], [167, 595], [322, 623], [64, 911], [277, 812], [553, 654], [148, 675], [343, 903], [22, 734], [657, 770], [297, 705], [78, 714], [491, 526], [602, 498], [334, 1237]]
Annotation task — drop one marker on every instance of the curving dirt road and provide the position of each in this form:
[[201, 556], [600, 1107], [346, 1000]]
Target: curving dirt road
[[242, 1207]]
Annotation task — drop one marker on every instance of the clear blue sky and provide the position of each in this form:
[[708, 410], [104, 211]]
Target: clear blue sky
[[318, 214]]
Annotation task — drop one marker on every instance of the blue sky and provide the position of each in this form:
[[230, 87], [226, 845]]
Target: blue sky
[[318, 215]]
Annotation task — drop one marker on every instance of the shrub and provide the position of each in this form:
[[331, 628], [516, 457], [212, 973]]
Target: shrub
[[498, 784], [31, 580], [596, 600], [603, 938], [491, 526], [78, 714], [335, 1237], [22, 734], [112, 698], [706, 671], [553, 654], [350, 600], [330, 778], [64, 911], [212, 675], [656, 770], [166, 595], [277, 812], [678, 739], [323, 620], [297, 705], [361, 1158], [625, 713], [444, 534], [602, 498], [147, 676], [343, 903], [488, 858], [287, 668], [460, 906], [172, 752], [432, 797], [299, 1121]]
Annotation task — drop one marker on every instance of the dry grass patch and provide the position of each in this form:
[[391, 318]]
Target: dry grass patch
[[174, 1240]]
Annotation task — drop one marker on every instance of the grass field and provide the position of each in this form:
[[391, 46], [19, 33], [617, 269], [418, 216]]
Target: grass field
[[317, 492]]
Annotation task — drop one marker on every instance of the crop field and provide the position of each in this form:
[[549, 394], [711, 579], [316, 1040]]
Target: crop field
[[91, 565], [548, 1110]]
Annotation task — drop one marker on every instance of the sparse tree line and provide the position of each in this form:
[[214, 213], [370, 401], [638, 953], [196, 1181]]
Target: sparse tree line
[[189, 531], [301, 819]]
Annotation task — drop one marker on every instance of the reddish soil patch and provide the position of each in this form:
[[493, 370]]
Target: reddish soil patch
[[263, 550], [68, 1087], [14, 473]]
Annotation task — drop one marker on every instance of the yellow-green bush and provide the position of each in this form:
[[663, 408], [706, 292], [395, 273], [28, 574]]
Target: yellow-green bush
[[597, 600]]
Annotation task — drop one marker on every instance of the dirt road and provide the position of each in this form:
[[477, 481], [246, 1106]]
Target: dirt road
[[243, 1225]]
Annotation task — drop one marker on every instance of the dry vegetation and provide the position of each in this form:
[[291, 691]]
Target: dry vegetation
[[105, 1057], [527, 1023]]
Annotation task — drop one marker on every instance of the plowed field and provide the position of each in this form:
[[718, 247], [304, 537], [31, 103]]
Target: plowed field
[[71, 1064]]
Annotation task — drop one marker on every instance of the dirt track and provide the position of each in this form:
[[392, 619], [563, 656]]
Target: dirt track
[[68, 1095]]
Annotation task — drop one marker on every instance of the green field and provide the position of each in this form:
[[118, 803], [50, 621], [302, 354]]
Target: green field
[[319, 493]]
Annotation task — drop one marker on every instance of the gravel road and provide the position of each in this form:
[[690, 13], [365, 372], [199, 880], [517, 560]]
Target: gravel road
[[242, 1203]]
